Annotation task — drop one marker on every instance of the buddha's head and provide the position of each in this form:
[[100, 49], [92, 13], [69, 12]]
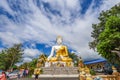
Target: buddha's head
[[59, 40]]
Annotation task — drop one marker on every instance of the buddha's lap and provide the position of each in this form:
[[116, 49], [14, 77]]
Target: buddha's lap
[[65, 59]]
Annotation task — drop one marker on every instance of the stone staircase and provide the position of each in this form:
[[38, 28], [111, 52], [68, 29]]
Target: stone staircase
[[55, 78], [60, 70], [59, 73]]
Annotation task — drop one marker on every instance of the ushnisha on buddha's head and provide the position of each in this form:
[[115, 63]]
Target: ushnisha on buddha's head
[[59, 40]]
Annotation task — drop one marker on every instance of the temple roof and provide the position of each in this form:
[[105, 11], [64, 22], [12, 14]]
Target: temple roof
[[95, 61]]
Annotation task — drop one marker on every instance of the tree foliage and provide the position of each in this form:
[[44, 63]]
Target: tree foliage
[[106, 35], [29, 65], [10, 56], [75, 58], [109, 40]]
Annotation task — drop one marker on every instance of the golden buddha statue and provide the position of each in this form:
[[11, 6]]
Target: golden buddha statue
[[61, 53]]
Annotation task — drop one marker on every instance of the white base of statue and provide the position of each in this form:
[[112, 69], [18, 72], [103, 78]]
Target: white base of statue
[[57, 64]]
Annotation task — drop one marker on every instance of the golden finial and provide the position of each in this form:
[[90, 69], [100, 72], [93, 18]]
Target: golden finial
[[113, 68], [59, 37]]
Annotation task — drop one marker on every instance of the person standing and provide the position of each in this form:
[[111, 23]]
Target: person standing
[[37, 72], [27, 71], [24, 73], [19, 74], [3, 77]]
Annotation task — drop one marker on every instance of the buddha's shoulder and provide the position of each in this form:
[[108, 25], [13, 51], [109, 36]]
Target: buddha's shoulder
[[63, 46]]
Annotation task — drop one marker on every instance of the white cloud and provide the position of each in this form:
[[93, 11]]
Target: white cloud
[[26, 59], [30, 52], [71, 4], [10, 39], [107, 4], [36, 26], [1, 49], [5, 5]]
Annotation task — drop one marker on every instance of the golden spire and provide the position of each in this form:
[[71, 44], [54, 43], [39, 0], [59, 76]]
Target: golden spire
[[59, 37]]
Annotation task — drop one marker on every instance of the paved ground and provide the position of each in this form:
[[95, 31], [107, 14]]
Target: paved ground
[[48, 79], [52, 77]]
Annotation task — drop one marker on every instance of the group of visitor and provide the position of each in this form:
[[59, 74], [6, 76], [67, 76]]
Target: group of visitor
[[23, 73]]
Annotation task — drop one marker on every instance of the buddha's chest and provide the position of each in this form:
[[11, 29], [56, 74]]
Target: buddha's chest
[[59, 48]]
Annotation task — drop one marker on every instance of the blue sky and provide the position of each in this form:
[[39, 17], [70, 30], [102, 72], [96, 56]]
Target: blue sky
[[37, 23]]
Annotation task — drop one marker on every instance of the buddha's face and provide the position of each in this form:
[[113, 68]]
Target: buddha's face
[[59, 41]]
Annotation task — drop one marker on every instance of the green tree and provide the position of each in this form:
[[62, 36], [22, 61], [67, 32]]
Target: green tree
[[10, 56], [99, 27], [106, 35], [2, 60], [109, 40], [32, 65], [29, 65], [75, 58]]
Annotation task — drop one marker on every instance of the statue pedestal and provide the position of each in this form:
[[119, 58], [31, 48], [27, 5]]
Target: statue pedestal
[[60, 70], [59, 73], [59, 64]]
